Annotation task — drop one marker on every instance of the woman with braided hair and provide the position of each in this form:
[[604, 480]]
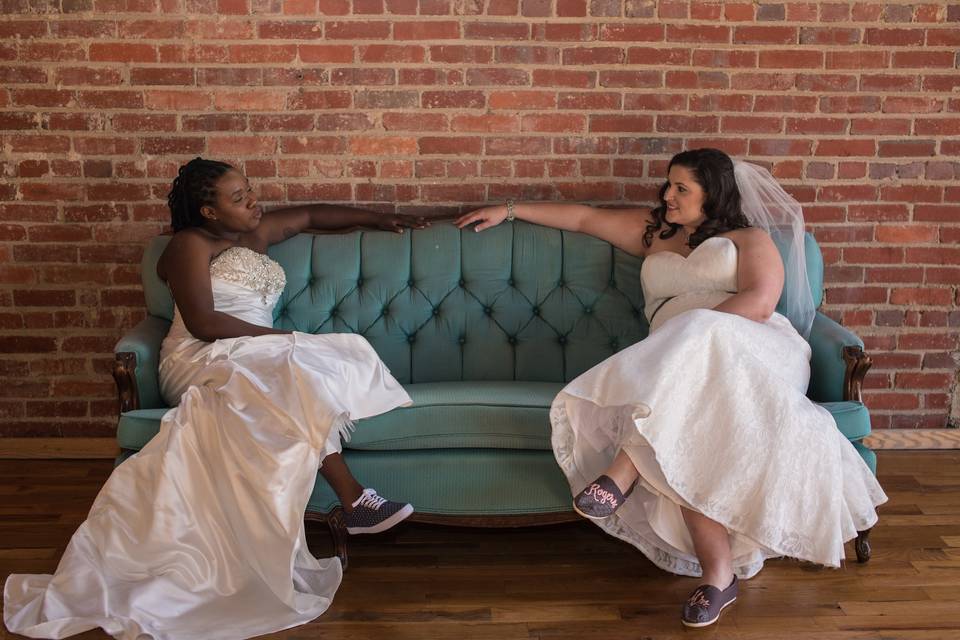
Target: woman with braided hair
[[200, 534]]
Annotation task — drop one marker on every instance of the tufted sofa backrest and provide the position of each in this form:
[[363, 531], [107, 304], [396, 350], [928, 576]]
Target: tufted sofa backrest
[[516, 302]]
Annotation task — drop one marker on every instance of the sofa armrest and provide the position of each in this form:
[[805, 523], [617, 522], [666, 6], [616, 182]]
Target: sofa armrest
[[137, 360], [837, 363]]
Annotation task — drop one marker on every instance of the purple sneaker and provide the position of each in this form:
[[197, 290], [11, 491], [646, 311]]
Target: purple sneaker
[[600, 499], [704, 605], [373, 514]]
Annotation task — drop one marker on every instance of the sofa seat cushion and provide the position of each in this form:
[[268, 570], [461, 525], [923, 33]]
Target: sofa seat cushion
[[444, 415], [470, 414]]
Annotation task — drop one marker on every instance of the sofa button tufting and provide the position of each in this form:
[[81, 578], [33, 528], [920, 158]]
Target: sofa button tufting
[[409, 283], [462, 340], [512, 340], [511, 282], [385, 311], [614, 344], [334, 311], [536, 311], [561, 283], [487, 310], [411, 338], [435, 311], [462, 282], [588, 310], [359, 282], [562, 339]]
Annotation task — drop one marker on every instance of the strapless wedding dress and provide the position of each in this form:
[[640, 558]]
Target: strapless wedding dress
[[200, 535], [711, 408]]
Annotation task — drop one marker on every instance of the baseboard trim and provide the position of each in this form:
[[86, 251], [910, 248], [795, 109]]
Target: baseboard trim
[[91, 448], [58, 448], [914, 439]]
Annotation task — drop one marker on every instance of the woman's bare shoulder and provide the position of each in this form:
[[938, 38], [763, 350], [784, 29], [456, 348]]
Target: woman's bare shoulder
[[185, 247]]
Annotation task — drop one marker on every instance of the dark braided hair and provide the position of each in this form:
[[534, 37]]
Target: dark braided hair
[[194, 187], [713, 171]]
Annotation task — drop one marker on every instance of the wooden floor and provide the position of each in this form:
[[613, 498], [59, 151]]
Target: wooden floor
[[572, 582]]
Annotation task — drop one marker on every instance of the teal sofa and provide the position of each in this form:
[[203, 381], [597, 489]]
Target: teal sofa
[[483, 330]]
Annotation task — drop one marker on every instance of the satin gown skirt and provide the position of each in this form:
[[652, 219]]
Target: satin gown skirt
[[200, 535], [711, 408]]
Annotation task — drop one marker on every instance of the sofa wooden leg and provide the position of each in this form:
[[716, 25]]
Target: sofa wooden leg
[[338, 531], [862, 545]]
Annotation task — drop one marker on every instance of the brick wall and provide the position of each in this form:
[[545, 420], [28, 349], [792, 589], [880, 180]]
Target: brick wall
[[430, 104]]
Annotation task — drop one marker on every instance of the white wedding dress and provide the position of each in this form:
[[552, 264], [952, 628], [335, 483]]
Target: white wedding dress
[[711, 409], [200, 535]]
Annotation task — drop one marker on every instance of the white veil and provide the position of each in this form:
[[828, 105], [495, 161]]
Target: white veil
[[767, 206]]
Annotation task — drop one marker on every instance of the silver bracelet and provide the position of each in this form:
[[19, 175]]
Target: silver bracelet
[[510, 214]]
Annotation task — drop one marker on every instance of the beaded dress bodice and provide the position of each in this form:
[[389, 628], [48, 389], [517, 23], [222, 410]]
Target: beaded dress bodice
[[245, 284]]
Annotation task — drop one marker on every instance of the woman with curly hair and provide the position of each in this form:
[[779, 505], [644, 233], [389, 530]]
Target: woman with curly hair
[[705, 425], [200, 534]]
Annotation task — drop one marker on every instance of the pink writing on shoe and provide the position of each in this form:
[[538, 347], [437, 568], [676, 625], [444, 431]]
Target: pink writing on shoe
[[601, 495]]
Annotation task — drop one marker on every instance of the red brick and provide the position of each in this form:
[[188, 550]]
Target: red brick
[[765, 35], [566, 32], [123, 52], [450, 145], [554, 123], [912, 193], [359, 30], [485, 123], [879, 82], [496, 31], [793, 59], [781, 147], [453, 99], [453, 193], [461, 54], [319, 192], [631, 123], [856, 295], [905, 104], [497, 77], [738, 11], [894, 37], [698, 33], [816, 125], [846, 147], [385, 145], [631, 79], [764, 81], [830, 36], [438, 30], [290, 30], [751, 124], [593, 55], [516, 146], [926, 341], [921, 296], [625, 32], [589, 100], [312, 145]]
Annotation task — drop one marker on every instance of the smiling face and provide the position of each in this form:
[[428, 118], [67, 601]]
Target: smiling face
[[684, 198], [235, 208]]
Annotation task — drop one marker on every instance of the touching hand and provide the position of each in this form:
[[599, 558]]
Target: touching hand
[[397, 222], [486, 217]]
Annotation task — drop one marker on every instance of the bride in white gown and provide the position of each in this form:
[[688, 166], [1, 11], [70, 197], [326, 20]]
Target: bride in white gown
[[698, 444], [200, 535]]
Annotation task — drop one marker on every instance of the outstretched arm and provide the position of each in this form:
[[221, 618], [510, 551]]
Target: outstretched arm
[[281, 224], [759, 276], [622, 228]]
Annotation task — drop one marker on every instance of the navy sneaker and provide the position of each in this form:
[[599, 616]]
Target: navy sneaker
[[373, 514]]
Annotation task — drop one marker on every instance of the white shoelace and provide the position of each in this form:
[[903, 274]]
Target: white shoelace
[[369, 498]]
